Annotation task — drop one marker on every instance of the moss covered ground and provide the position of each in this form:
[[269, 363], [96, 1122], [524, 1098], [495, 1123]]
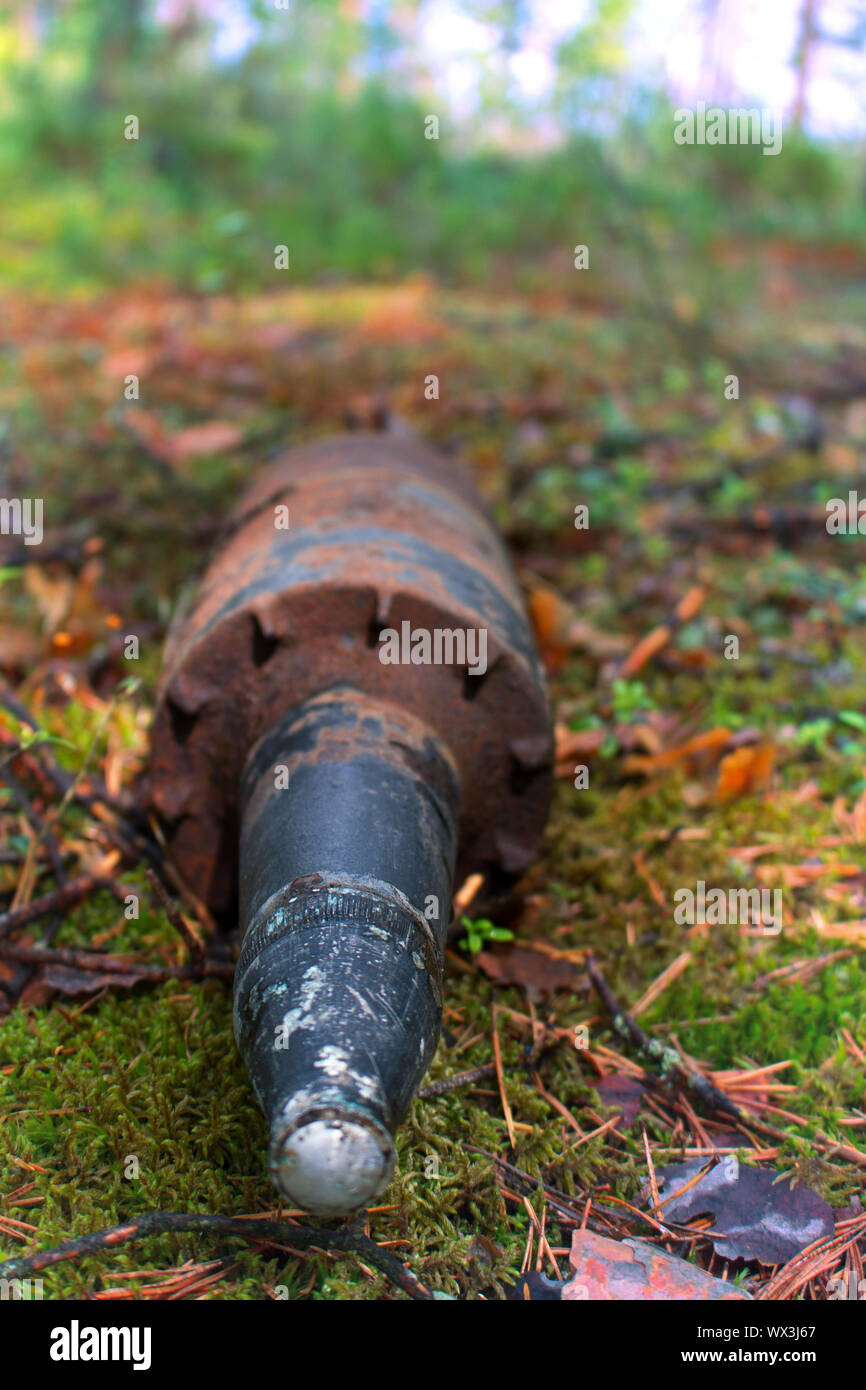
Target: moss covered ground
[[554, 400]]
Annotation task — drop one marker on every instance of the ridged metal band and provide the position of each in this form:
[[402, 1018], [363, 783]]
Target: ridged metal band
[[339, 905]]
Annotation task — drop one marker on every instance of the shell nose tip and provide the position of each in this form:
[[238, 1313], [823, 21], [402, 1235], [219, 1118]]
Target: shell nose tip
[[332, 1166]]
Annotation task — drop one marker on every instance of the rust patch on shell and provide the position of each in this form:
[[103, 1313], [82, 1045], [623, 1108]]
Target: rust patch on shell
[[381, 532]]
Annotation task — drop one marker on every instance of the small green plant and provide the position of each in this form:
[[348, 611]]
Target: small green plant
[[629, 699], [31, 738], [479, 933], [814, 733]]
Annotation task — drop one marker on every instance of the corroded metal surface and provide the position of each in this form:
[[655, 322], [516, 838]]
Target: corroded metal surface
[[355, 697], [381, 531]]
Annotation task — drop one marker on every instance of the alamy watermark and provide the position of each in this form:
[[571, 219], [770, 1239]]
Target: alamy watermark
[[20, 1290], [77, 1343], [714, 125], [22, 516], [846, 516], [761, 907], [439, 646]]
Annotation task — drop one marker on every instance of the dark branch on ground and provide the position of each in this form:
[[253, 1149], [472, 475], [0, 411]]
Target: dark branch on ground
[[269, 1233]]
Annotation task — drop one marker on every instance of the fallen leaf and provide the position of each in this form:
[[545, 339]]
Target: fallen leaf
[[209, 437], [52, 587], [559, 630], [401, 313], [756, 1216], [695, 752], [550, 618], [745, 771], [576, 743], [646, 649], [532, 965], [70, 981], [212, 437], [18, 647], [622, 1092]]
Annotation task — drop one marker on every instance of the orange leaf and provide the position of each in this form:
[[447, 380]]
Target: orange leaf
[[692, 752], [549, 615], [646, 648], [690, 603], [576, 743], [212, 437], [744, 771]]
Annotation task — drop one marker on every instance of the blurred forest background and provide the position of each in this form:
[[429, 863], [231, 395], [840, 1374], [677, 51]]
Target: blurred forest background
[[301, 122]]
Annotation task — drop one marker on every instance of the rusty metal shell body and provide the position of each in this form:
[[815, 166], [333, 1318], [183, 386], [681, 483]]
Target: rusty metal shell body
[[381, 532]]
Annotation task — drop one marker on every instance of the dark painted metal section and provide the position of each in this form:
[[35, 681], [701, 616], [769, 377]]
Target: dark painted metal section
[[372, 793], [357, 788]]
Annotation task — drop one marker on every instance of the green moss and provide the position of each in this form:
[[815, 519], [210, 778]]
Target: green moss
[[154, 1073]]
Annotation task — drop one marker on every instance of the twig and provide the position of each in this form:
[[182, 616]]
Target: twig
[[75, 959], [670, 1063], [244, 1228], [453, 1083], [559, 1201], [40, 828], [57, 901], [60, 778], [497, 1057], [128, 817], [818, 1256], [193, 945], [13, 988]]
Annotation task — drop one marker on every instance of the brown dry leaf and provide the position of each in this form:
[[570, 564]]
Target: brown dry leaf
[[608, 1270], [532, 965], [18, 648], [402, 314], [692, 754], [623, 1093], [149, 430], [647, 737], [209, 437], [648, 647], [582, 636], [212, 437], [800, 875], [72, 608], [576, 743], [691, 603], [51, 586], [853, 822], [745, 771], [68, 980], [125, 362], [550, 617], [559, 630], [757, 1217], [843, 931]]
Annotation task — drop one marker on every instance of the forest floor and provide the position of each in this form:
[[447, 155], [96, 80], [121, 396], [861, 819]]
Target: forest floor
[[703, 637]]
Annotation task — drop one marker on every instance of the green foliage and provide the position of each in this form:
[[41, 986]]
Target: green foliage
[[630, 698], [480, 932], [309, 139]]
